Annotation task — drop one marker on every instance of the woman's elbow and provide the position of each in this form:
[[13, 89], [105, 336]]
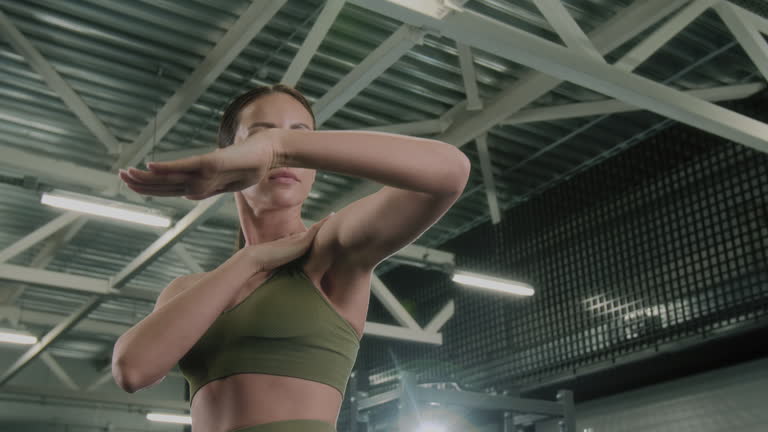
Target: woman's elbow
[[460, 172], [123, 372], [124, 378]]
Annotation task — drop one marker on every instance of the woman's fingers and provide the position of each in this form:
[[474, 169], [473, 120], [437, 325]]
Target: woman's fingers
[[192, 163], [158, 191], [143, 177]]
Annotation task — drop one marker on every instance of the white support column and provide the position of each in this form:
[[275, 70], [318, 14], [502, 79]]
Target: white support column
[[469, 75], [390, 302], [21, 44], [38, 235], [315, 36], [58, 371], [612, 106], [746, 34], [384, 56], [487, 168], [239, 35], [567, 28]]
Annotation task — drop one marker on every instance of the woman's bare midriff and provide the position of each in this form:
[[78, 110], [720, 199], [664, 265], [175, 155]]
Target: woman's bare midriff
[[248, 399]]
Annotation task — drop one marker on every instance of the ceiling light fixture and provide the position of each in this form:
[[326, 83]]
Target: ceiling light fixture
[[437, 9], [106, 208], [16, 338], [169, 418], [488, 282]]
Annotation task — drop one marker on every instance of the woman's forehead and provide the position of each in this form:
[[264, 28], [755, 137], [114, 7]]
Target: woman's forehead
[[276, 108]]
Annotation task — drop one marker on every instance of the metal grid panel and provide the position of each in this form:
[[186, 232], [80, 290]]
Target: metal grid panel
[[662, 242]]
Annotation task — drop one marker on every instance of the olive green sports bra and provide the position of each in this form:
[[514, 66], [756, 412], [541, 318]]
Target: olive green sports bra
[[284, 327]]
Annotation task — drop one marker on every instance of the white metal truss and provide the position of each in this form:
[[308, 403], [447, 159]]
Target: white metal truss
[[97, 397], [67, 229], [239, 35], [58, 85], [59, 371], [487, 169], [202, 211], [466, 126], [760, 23], [38, 235], [379, 60], [466, 60], [612, 106], [533, 51], [549, 113], [315, 36], [567, 28], [742, 27]]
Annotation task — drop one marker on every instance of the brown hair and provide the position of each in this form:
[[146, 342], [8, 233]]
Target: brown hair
[[231, 118]]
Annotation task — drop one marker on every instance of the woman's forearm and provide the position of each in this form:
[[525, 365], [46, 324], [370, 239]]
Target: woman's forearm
[[417, 164]]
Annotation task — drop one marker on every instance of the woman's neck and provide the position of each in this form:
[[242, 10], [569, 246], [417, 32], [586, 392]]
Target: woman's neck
[[270, 225]]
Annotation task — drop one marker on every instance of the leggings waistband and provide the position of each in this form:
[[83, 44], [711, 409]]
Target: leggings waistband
[[290, 426]]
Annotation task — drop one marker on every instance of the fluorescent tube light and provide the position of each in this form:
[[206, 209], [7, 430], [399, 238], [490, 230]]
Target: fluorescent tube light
[[482, 281], [437, 9], [169, 418], [106, 208], [17, 338]]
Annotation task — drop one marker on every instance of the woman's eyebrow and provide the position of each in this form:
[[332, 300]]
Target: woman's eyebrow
[[260, 124], [271, 125]]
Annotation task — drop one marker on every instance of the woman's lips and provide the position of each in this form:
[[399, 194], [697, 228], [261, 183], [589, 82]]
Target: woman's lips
[[283, 175], [283, 179]]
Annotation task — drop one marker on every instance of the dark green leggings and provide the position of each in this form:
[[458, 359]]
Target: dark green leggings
[[290, 426]]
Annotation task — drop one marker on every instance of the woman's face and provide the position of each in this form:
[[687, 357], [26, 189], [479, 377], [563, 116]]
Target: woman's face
[[276, 110]]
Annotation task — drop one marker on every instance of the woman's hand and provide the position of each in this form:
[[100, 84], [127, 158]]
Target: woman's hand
[[228, 169], [270, 255]]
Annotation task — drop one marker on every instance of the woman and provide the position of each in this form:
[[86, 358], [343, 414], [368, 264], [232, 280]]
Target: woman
[[268, 339]]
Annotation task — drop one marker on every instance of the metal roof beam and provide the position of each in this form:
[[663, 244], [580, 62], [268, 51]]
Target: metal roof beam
[[566, 27], [612, 106], [59, 371], [746, 34], [38, 235], [384, 56], [512, 43], [645, 49], [468, 74], [21, 44], [624, 26], [195, 217], [487, 169], [239, 35], [96, 397], [316, 35]]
